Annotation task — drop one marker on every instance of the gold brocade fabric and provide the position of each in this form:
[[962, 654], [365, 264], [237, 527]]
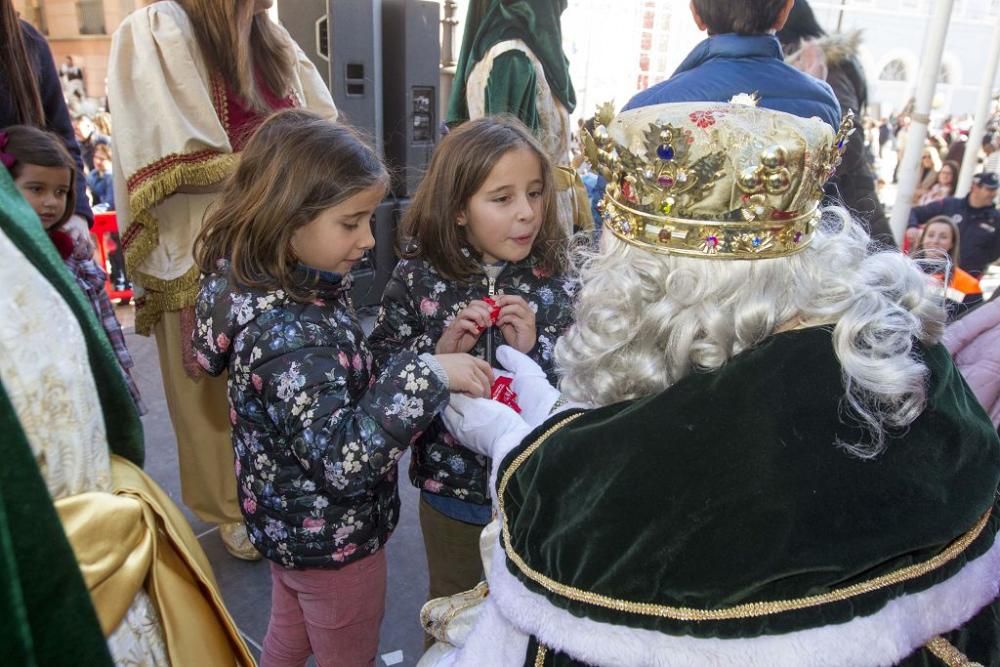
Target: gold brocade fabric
[[136, 538]]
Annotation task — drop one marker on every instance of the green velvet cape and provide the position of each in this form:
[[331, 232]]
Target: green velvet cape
[[511, 87], [730, 488], [48, 616]]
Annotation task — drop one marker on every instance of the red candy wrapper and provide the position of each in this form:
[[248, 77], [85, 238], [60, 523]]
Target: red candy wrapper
[[502, 392], [494, 309]]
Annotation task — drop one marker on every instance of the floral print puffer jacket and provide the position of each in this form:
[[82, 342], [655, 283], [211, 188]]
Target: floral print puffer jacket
[[317, 436], [417, 305]]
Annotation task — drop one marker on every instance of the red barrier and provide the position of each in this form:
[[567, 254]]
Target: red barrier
[[104, 225]]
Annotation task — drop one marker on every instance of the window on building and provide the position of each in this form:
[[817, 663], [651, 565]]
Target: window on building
[[646, 42], [648, 18], [894, 70], [642, 83], [36, 15], [90, 17], [912, 4]]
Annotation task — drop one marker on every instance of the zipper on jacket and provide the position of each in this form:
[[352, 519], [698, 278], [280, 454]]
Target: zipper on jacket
[[493, 272]]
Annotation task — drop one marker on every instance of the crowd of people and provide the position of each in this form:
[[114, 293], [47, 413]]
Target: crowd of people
[[710, 415]]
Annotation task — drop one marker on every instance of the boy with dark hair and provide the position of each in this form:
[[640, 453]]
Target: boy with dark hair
[[742, 55]]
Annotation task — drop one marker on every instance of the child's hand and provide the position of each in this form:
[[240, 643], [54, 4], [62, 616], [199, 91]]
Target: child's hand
[[462, 334], [516, 322], [466, 374]]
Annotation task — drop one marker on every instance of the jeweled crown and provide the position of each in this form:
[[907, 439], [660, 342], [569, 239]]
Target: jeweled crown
[[725, 181]]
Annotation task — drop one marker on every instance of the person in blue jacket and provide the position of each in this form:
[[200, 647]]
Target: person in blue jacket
[[742, 55]]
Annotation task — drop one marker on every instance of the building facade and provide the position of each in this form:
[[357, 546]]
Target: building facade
[[81, 29], [893, 34]]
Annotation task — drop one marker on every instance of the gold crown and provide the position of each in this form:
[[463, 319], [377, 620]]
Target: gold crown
[[726, 181]]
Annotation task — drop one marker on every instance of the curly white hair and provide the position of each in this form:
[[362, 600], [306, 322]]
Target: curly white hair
[[645, 320]]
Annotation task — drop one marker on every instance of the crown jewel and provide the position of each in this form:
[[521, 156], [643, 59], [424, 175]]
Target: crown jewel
[[727, 181]]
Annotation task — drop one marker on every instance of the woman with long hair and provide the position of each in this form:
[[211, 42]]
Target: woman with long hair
[[31, 94], [211, 72], [944, 186], [930, 166]]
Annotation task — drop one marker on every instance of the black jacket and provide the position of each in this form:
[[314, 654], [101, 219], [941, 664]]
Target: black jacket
[[978, 230]]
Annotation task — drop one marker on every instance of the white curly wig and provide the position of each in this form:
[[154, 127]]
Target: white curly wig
[[645, 320]]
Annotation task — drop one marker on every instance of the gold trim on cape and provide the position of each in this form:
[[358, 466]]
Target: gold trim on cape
[[154, 183], [743, 611], [540, 655], [945, 651], [164, 296]]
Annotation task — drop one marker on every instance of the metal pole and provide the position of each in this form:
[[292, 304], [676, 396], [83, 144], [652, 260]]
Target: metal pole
[[982, 115], [930, 66], [840, 18]]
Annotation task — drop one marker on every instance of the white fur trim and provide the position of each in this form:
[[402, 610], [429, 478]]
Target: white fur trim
[[884, 638]]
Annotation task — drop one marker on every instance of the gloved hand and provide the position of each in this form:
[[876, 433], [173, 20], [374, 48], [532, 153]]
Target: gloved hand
[[484, 426], [535, 396]]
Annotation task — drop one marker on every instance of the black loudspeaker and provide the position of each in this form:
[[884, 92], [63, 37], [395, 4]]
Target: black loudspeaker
[[372, 273], [306, 21], [411, 55], [355, 33]]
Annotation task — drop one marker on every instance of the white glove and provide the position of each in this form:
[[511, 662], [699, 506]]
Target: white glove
[[535, 396], [486, 427]]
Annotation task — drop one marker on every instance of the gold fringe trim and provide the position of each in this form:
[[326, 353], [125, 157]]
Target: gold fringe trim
[[946, 652], [168, 174], [164, 296], [540, 655], [743, 611]]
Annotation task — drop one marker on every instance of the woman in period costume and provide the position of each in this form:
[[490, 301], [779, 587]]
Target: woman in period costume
[[772, 460], [511, 61], [99, 567], [189, 82]]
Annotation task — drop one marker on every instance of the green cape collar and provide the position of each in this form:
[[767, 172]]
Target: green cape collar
[[729, 489]]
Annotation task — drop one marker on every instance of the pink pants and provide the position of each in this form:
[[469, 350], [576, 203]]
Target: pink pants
[[332, 614]]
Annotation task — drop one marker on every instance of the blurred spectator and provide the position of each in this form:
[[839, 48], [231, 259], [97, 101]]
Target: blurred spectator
[[992, 161], [976, 218], [100, 181], [89, 138], [930, 165], [71, 76], [944, 186], [884, 135]]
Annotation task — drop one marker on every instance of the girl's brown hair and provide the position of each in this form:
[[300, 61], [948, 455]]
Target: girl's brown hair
[[240, 45], [296, 165], [460, 165], [16, 69], [29, 145]]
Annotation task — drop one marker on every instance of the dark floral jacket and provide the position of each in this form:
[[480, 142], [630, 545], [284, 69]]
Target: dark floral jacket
[[417, 305], [317, 436]]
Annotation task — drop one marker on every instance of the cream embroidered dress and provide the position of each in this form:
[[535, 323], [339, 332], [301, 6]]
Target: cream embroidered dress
[[56, 401], [172, 128]]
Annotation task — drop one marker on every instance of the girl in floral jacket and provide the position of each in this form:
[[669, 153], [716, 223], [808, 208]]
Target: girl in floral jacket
[[485, 267], [317, 435]]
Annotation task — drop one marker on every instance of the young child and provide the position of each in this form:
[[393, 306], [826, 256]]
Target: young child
[[484, 268], [742, 55], [45, 174], [317, 435]]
